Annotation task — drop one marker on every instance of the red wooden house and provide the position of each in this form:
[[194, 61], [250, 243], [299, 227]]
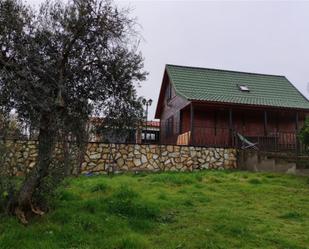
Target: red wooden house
[[209, 107]]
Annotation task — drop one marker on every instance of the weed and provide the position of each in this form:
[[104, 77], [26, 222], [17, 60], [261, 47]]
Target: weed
[[174, 178], [90, 206], [188, 203], [255, 181], [100, 187], [132, 242], [291, 215], [162, 196], [126, 202], [65, 195], [168, 217]]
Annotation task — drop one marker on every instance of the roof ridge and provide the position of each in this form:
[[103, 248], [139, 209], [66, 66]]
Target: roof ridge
[[225, 70]]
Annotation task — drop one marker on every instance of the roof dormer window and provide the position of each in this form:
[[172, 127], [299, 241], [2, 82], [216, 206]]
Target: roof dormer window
[[244, 88]]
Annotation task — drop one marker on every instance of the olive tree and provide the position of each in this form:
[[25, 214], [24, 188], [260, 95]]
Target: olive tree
[[59, 65]]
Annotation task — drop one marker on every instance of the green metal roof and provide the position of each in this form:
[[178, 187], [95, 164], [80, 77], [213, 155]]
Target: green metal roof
[[216, 85]]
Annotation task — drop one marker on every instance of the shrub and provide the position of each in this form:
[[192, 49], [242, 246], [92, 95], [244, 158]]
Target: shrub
[[8, 189], [7, 186]]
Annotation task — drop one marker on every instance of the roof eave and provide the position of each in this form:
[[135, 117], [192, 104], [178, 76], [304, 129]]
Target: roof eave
[[249, 105], [161, 96]]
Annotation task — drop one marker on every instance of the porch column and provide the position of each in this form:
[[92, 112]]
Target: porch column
[[192, 124], [265, 123], [180, 123], [231, 126]]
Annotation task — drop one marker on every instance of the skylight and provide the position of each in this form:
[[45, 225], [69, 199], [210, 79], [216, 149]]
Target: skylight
[[244, 88]]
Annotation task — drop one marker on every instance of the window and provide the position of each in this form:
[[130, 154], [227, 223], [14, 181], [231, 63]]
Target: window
[[169, 92], [169, 126], [244, 88], [149, 136]]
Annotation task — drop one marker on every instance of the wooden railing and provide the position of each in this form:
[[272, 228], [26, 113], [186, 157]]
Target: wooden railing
[[225, 137]]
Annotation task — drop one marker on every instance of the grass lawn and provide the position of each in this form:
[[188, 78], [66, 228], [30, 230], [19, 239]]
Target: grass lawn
[[208, 209]]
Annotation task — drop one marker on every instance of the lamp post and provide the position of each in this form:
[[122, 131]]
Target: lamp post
[[146, 103]]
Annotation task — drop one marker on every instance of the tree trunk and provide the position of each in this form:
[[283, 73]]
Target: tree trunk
[[81, 143], [23, 206], [66, 155]]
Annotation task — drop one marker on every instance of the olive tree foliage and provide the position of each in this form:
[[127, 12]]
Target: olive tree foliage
[[58, 66]]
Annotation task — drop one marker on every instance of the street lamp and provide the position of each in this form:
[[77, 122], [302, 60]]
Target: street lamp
[[147, 103]]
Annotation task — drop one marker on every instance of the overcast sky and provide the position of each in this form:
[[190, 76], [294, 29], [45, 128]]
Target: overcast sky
[[253, 36]]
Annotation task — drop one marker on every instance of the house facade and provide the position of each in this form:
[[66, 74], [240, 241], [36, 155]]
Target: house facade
[[209, 107]]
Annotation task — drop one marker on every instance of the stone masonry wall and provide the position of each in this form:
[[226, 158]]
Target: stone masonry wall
[[102, 158], [18, 157]]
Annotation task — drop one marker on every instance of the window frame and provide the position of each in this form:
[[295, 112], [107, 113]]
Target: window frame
[[169, 92]]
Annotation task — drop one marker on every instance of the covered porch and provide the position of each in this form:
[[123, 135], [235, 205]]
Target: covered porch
[[201, 124]]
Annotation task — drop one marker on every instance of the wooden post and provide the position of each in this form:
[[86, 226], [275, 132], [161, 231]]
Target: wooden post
[[180, 123], [265, 124], [192, 123], [231, 126]]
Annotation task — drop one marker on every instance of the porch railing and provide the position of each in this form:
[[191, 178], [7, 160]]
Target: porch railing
[[225, 137]]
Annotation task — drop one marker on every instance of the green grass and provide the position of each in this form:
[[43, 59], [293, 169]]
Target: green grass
[[205, 210]]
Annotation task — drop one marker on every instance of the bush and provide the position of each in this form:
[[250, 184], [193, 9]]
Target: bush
[[8, 189]]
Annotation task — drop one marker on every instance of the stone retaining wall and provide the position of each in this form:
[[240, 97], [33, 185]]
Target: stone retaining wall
[[101, 158]]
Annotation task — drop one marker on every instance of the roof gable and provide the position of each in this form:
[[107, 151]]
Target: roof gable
[[214, 85]]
